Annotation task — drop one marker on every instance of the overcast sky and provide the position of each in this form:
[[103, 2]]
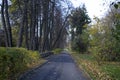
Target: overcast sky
[[94, 7]]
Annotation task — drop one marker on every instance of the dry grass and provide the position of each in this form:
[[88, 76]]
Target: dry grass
[[105, 71]]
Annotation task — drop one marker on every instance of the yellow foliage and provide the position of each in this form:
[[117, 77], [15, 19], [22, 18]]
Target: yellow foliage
[[57, 50], [14, 61]]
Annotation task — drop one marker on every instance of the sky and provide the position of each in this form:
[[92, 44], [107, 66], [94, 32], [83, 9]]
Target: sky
[[94, 7]]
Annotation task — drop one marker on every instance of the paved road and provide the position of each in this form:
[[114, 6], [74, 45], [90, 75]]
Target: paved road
[[58, 67]]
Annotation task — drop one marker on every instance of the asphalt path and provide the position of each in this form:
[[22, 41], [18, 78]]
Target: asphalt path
[[58, 67]]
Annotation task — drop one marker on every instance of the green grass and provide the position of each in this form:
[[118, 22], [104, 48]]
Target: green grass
[[105, 71], [112, 69], [86, 57], [15, 61]]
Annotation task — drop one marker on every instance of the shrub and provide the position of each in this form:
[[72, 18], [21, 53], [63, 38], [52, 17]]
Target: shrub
[[81, 42], [14, 61], [57, 50]]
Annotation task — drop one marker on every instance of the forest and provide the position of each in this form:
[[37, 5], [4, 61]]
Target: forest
[[35, 25], [97, 43], [29, 28]]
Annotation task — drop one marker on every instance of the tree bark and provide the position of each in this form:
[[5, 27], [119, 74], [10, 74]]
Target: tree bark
[[21, 31], [4, 24], [26, 24], [8, 24]]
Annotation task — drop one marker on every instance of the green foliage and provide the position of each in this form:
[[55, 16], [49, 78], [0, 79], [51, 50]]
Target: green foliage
[[116, 5], [81, 43], [103, 45], [116, 30], [15, 5], [112, 69], [57, 50], [14, 61], [102, 39], [78, 21], [15, 34]]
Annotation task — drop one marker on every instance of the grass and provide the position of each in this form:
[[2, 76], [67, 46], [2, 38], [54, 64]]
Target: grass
[[112, 69], [105, 71]]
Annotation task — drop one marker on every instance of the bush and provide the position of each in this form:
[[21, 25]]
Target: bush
[[14, 61], [57, 50], [105, 47]]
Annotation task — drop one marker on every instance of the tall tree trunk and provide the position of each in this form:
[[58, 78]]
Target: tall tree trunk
[[8, 24], [34, 25], [40, 25], [37, 24], [45, 25], [4, 24], [31, 24], [26, 25], [52, 24], [20, 36], [21, 30]]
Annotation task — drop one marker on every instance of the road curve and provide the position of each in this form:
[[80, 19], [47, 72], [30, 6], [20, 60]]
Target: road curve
[[58, 67]]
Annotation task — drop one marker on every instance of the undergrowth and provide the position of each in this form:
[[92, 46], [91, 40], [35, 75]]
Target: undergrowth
[[15, 61], [57, 50], [103, 71]]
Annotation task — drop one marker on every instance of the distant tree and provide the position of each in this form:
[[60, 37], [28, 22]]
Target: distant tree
[[78, 18]]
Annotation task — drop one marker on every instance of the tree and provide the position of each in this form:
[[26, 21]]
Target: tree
[[6, 23], [78, 18], [103, 44], [37, 24]]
